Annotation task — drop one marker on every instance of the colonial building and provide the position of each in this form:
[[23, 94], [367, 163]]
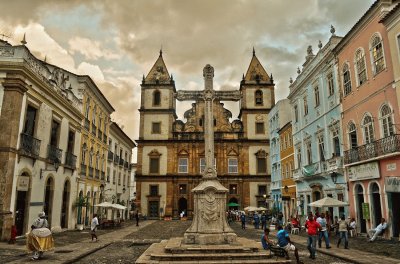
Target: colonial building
[[171, 151], [40, 140], [278, 117], [93, 149], [288, 189], [370, 117], [116, 186], [315, 100], [392, 171]]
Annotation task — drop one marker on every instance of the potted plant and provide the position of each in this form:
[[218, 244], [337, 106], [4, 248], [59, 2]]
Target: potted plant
[[81, 202]]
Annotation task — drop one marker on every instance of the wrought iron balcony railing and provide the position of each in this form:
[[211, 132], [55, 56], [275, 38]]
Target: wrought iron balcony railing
[[30, 145], [70, 160], [91, 172], [121, 162], [87, 124], [54, 154], [110, 156], [116, 159], [375, 149]]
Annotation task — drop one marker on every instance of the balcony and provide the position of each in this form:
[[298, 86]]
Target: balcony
[[30, 146], [91, 172], [116, 159], [375, 149], [126, 165], [297, 175], [87, 124], [94, 128], [121, 162], [335, 163], [54, 154], [83, 170], [99, 134], [70, 160], [110, 156]]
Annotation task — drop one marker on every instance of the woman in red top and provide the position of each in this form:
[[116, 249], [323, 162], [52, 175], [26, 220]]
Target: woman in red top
[[313, 227]]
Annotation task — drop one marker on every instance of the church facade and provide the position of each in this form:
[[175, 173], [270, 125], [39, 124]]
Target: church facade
[[171, 156]]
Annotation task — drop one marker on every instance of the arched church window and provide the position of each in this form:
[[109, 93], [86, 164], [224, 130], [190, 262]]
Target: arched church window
[[259, 97]]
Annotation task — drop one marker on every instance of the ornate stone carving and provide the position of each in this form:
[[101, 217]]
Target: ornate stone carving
[[6, 52]]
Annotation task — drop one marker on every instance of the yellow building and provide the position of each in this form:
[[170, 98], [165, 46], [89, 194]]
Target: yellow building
[[287, 165], [94, 148]]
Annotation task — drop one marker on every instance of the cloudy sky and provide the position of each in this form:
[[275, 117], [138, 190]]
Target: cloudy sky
[[117, 41]]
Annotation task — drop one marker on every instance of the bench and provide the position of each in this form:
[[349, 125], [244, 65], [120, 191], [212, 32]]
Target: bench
[[278, 252]]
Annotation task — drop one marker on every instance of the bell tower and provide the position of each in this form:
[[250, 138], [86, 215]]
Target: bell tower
[[157, 109], [258, 97]]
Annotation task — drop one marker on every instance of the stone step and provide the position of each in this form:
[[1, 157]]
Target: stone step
[[241, 261], [220, 256]]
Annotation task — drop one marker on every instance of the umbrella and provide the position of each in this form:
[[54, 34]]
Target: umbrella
[[118, 206], [231, 204], [250, 208], [328, 202], [104, 204], [261, 208]]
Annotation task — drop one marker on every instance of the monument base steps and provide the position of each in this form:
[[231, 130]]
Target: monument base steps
[[244, 251]]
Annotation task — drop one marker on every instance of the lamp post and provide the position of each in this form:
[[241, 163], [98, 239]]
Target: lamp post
[[334, 177]]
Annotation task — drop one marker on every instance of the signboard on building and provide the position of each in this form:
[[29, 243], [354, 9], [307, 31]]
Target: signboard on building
[[392, 184], [364, 171], [23, 183], [365, 211]]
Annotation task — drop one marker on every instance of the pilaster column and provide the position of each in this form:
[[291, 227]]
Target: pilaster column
[[14, 90]]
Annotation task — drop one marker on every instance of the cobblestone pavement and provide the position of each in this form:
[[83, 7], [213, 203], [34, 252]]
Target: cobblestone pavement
[[128, 252], [387, 248]]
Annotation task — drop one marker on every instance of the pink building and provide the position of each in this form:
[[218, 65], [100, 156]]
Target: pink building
[[370, 111]]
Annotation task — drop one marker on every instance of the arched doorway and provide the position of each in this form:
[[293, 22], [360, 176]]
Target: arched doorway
[[376, 204], [360, 200], [65, 205], [233, 200], [87, 208], [21, 204], [79, 207], [182, 206], [48, 199]]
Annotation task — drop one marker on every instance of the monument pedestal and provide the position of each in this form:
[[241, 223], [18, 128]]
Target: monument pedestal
[[209, 226]]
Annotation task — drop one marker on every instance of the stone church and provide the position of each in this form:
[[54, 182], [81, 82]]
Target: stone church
[[171, 155]]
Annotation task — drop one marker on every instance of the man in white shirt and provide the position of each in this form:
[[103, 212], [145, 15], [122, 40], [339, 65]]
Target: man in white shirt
[[93, 226], [373, 233], [324, 232]]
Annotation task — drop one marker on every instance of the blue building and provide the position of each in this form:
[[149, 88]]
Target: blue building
[[315, 101], [277, 117]]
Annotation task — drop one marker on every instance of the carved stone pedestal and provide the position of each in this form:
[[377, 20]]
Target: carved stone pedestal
[[209, 226]]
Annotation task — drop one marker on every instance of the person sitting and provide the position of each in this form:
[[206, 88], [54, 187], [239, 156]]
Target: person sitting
[[374, 232], [265, 241], [295, 222], [352, 226], [285, 243]]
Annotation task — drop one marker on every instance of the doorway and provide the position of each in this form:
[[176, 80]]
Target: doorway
[[48, 199], [182, 206], [376, 204], [396, 213], [153, 208], [65, 205], [360, 200], [21, 209]]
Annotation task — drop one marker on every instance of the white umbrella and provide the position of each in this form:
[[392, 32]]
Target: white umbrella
[[104, 204], [261, 208], [328, 202], [118, 206], [250, 208]]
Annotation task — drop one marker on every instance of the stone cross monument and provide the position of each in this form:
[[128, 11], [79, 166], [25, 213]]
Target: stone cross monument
[[209, 224]]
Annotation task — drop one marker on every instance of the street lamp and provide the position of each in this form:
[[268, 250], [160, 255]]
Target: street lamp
[[334, 177]]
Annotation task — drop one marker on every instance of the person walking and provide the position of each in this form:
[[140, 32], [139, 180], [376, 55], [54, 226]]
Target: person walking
[[324, 231], [137, 218], [343, 233], [256, 219], [263, 221], [93, 227], [374, 232], [40, 238], [243, 220], [312, 229]]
